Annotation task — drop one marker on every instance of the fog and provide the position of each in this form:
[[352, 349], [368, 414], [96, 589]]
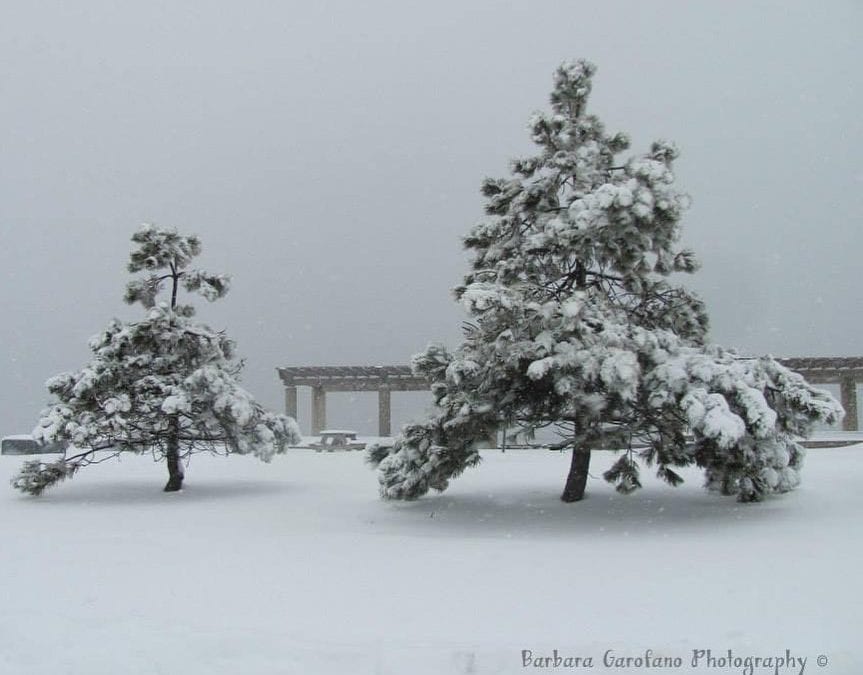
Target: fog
[[329, 156]]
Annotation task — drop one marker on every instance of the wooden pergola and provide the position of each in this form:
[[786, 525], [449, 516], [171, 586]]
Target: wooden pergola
[[847, 372], [323, 379]]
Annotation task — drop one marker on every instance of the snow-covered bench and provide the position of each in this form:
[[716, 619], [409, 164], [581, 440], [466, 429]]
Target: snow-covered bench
[[338, 439]]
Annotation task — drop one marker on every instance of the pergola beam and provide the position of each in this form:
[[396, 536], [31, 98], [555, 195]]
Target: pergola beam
[[347, 385], [827, 369]]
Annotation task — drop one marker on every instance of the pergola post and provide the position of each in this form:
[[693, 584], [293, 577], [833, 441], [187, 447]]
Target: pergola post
[[848, 392], [384, 411], [291, 401], [319, 410]]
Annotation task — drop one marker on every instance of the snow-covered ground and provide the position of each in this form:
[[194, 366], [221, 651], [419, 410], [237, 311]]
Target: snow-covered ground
[[298, 567]]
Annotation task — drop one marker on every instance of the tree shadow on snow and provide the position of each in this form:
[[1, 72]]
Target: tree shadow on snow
[[524, 512], [149, 492]]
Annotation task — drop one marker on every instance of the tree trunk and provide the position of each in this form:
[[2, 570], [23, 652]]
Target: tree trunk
[[576, 480], [175, 467]]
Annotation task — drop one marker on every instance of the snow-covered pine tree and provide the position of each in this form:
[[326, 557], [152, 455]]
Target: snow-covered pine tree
[[166, 384], [574, 323]]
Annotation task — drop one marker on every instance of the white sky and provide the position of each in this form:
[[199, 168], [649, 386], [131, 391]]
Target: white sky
[[329, 155]]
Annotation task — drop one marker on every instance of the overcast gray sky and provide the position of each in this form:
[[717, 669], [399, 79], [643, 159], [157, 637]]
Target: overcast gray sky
[[329, 155]]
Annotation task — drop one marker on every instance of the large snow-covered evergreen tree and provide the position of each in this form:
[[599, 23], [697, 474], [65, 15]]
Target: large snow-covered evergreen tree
[[166, 384], [575, 323]]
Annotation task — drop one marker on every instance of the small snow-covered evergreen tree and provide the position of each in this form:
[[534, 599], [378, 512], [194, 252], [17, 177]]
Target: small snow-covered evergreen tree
[[166, 384], [574, 322]]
